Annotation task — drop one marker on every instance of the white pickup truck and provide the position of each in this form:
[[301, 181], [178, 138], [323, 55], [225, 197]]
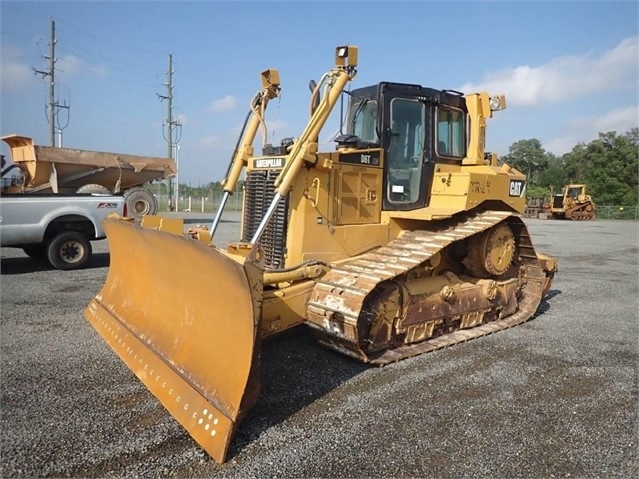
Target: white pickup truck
[[54, 227]]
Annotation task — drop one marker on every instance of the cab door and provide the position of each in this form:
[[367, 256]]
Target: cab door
[[408, 170]]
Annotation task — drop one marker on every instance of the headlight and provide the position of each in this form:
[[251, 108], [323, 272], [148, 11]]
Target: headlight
[[342, 52], [497, 102]]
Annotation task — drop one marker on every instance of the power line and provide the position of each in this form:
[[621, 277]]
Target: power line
[[142, 69], [137, 70], [110, 42], [98, 72], [34, 13]]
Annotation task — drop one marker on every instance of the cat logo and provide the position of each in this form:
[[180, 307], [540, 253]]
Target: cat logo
[[517, 188]]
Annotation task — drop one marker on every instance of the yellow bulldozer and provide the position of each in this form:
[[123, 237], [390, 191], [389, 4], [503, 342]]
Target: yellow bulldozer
[[573, 203], [405, 239]]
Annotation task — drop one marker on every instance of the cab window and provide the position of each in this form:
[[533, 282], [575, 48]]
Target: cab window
[[363, 120], [450, 132]]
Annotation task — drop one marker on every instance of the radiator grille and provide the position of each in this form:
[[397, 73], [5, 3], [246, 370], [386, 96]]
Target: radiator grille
[[558, 201], [258, 194]]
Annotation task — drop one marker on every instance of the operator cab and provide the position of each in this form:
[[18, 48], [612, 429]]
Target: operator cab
[[415, 127]]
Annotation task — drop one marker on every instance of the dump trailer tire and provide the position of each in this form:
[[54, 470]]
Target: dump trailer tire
[[68, 250], [140, 202], [93, 188]]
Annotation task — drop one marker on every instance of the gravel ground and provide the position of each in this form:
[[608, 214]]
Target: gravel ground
[[555, 397]]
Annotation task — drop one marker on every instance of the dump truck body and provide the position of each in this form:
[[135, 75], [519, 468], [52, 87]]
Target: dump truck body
[[47, 169], [405, 239]]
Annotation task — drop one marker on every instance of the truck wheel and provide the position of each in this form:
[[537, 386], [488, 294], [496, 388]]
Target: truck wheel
[[68, 250], [92, 188], [36, 251], [140, 202]]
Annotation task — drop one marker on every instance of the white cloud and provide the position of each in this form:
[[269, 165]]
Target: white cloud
[[212, 142], [615, 120], [565, 77], [587, 129], [70, 65], [15, 75], [223, 104]]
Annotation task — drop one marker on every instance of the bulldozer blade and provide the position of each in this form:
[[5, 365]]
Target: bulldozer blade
[[184, 317]]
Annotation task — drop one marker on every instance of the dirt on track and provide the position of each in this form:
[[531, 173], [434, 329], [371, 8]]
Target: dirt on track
[[554, 397]]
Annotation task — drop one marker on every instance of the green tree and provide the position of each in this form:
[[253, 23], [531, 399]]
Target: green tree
[[529, 157], [608, 166], [554, 175]]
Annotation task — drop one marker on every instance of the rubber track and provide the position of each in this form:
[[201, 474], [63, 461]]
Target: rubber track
[[342, 292]]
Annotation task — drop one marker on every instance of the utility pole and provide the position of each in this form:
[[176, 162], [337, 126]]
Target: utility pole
[[177, 177], [171, 125], [52, 106]]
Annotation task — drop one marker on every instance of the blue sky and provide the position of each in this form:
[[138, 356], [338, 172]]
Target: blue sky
[[569, 69]]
